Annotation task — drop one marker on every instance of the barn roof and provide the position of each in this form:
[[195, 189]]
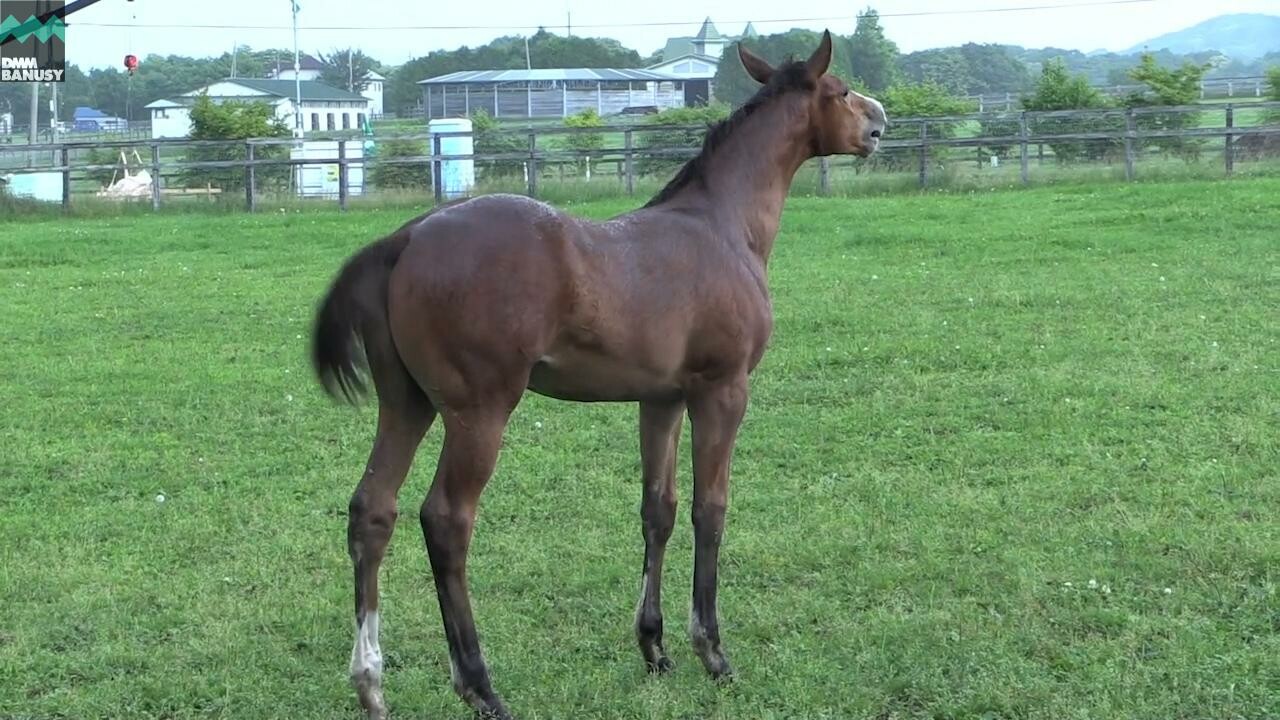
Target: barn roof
[[548, 74], [708, 31], [312, 90]]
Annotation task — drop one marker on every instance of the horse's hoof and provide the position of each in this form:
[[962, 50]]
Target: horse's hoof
[[494, 713], [725, 676], [661, 666]]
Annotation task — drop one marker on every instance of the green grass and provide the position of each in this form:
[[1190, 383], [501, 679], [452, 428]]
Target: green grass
[[1010, 455]]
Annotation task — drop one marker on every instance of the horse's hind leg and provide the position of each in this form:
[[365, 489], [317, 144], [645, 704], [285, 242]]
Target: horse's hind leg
[[659, 435], [403, 418], [471, 443]]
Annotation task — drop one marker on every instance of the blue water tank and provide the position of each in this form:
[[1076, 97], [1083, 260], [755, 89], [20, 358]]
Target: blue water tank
[[457, 177]]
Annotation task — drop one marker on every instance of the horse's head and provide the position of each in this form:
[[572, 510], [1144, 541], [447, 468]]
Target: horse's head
[[841, 121]]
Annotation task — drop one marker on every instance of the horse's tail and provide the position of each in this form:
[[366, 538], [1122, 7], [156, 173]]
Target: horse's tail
[[351, 322]]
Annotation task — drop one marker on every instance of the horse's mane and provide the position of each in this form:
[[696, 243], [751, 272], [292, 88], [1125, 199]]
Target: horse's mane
[[793, 75]]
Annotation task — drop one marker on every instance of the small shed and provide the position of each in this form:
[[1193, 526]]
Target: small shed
[[549, 92], [87, 119]]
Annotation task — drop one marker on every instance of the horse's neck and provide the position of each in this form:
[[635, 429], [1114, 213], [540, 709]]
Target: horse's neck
[[749, 175]]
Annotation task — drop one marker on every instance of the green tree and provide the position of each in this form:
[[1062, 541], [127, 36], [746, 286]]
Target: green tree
[[1058, 89], [403, 176], [924, 99], [993, 68], [347, 68], [872, 57], [944, 67], [490, 139], [235, 120], [916, 100], [585, 141], [1168, 86]]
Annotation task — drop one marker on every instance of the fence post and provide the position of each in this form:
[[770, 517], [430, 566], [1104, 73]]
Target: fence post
[[155, 176], [824, 175], [65, 157], [630, 162], [437, 170], [924, 153], [342, 175], [1024, 148], [533, 164], [1228, 148], [250, 179], [1128, 144]]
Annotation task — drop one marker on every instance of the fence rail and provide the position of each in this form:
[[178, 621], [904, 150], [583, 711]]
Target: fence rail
[[922, 139]]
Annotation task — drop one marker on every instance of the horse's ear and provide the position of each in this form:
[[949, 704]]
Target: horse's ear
[[757, 68], [820, 60]]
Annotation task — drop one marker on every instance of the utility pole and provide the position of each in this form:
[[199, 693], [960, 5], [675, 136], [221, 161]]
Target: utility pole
[[351, 73], [527, 64], [34, 130], [297, 76]]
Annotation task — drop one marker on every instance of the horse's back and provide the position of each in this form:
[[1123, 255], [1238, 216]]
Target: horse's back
[[482, 281]]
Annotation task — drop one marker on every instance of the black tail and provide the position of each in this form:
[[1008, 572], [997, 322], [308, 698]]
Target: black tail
[[352, 318]]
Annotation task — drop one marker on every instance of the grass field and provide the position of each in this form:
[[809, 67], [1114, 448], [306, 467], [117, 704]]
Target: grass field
[[1010, 455]]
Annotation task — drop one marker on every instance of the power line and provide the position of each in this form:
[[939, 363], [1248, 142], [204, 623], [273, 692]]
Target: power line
[[665, 23]]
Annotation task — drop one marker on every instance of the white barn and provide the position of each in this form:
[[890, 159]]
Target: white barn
[[696, 71], [324, 108], [549, 92], [311, 68], [694, 59]]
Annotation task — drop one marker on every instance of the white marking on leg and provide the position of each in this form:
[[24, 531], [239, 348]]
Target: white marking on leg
[[366, 655], [698, 636], [644, 592]]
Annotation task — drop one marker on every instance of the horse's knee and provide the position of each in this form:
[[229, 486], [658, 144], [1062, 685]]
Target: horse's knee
[[445, 528], [369, 522], [658, 514], [708, 519]]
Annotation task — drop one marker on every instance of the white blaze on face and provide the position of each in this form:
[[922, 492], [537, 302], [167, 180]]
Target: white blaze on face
[[872, 101], [366, 655]]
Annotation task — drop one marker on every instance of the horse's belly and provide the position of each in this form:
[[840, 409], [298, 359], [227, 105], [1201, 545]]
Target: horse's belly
[[590, 377]]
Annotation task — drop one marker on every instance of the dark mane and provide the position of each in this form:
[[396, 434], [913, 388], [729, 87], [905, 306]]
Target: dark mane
[[793, 75]]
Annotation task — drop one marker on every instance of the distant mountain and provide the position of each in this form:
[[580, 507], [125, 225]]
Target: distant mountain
[[1244, 36]]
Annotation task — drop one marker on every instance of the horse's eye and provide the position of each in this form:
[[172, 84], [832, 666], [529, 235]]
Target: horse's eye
[[845, 93]]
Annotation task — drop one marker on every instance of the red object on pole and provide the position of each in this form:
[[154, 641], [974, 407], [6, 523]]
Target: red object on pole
[[131, 63]]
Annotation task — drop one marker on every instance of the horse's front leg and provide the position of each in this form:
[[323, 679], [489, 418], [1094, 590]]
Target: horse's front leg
[[659, 435], [715, 412]]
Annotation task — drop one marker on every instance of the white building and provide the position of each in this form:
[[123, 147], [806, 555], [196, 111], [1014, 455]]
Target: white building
[[696, 71], [311, 69], [324, 108], [694, 59]]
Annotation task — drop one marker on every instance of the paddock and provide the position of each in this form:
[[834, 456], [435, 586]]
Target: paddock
[[1010, 454]]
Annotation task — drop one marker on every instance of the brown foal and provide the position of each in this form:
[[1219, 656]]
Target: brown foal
[[461, 310]]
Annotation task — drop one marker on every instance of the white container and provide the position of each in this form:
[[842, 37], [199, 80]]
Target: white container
[[321, 179], [457, 177], [45, 186]]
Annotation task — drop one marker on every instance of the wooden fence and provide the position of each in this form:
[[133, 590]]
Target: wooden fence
[[919, 138]]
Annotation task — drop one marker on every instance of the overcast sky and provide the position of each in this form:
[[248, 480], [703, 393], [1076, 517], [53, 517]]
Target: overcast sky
[[104, 33]]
